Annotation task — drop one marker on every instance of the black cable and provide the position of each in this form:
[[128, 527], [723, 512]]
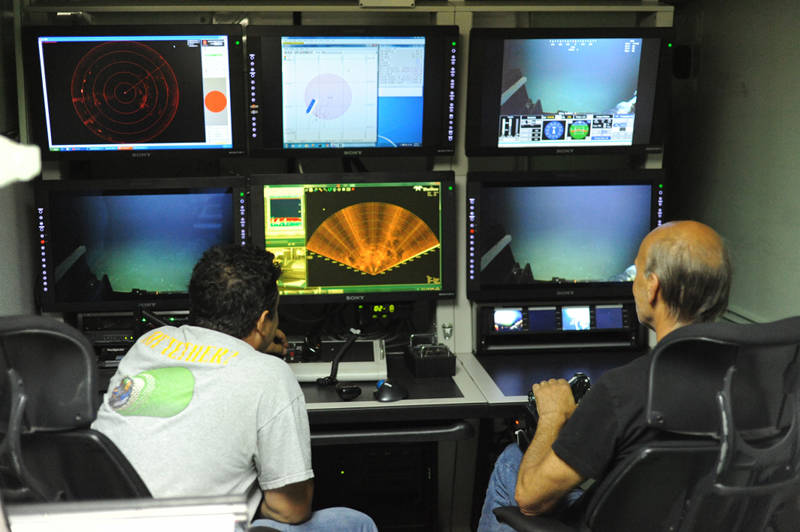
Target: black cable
[[331, 379]]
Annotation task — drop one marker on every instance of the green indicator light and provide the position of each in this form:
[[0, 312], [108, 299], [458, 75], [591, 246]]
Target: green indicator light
[[341, 472], [454, 43], [144, 320], [660, 185], [237, 43], [241, 194], [450, 187], [171, 318], [669, 45]]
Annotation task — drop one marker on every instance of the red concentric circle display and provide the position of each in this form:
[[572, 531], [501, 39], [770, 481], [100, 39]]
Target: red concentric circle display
[[125, 92]]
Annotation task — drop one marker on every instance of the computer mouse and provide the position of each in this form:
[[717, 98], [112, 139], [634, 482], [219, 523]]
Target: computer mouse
[[347, 391], [389, 391]]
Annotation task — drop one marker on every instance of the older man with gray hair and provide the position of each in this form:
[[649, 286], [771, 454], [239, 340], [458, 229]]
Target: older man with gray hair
[[683, 276]]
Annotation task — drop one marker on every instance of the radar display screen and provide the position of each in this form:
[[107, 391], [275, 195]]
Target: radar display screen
[[136, 92]]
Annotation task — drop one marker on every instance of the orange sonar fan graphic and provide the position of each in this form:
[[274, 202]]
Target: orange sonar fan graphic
[[372, 237]]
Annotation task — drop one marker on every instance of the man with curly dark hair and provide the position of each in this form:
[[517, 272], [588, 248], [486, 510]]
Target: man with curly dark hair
[[202, 410]]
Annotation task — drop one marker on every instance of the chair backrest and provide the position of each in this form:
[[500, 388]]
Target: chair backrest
[[48, 398], [726, 396], [58, 368]]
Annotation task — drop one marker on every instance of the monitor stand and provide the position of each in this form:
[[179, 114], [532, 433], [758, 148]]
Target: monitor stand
[[365, 360]]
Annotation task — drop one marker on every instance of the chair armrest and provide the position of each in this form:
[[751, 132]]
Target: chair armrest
[[511, 516]]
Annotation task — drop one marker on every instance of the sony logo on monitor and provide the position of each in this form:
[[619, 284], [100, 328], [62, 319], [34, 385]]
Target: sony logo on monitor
[[140, 155], [354, 298], [565, 292], [565, 150], [353, 152]]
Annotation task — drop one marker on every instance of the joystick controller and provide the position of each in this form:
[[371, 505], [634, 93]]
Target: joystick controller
[[578, 383]]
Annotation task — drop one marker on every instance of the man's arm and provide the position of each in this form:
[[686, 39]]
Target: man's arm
[[543, 477], [289, 504]]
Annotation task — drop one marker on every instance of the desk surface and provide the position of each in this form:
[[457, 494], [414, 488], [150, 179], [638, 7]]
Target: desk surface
[[430, 398], [507, 379], [479, 387]]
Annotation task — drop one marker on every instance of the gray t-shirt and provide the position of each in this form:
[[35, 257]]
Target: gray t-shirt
[[198, 412]]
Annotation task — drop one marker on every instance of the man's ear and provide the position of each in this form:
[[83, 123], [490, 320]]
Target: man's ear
[[264, 321], [653, 288]]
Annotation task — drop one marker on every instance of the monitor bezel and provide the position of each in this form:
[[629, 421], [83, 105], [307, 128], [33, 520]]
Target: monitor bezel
[[47, 302], [35, 99], [476, 94], [447, 238], [549, 292], [437, 69]]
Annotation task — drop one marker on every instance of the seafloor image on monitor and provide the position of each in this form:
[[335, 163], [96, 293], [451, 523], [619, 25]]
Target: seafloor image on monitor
[[562, 233], [373, 236], [548, 76], [110, 247], [124, 92]]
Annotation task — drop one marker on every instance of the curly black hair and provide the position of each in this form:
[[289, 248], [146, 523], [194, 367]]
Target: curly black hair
[[231, 286]]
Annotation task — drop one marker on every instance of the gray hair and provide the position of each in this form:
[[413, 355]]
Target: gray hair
[[695, 280]]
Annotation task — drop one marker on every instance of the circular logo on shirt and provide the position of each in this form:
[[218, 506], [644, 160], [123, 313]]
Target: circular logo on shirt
[[161, 392]]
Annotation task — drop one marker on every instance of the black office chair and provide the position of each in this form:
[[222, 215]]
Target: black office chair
[[48, 398], [726, 397]]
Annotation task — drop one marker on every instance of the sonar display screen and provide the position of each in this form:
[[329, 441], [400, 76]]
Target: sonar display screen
[[136, 92], [124, 246], [568, 91], [561, 234], [350, 238]]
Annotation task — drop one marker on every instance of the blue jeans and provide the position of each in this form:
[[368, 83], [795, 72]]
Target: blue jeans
[[327, 519], [500, 491]]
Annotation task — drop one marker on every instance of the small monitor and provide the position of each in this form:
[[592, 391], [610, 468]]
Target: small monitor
[[609, 316], [542, 319], [352, 90], [576, 318], [118, 245], [508, 319], [550, 236], [358, 237], [539, 91], [136, 92]]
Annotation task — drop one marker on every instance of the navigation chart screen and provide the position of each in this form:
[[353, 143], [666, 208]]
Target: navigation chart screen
[[341, 92]]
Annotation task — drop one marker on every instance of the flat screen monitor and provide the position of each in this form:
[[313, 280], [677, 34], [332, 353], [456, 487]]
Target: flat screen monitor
[[551, 91], [138, 92], [554, 237], [119, 244], [352, 90], [358, 237]]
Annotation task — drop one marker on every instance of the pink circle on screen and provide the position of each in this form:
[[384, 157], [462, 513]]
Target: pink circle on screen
[[330, 94]]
